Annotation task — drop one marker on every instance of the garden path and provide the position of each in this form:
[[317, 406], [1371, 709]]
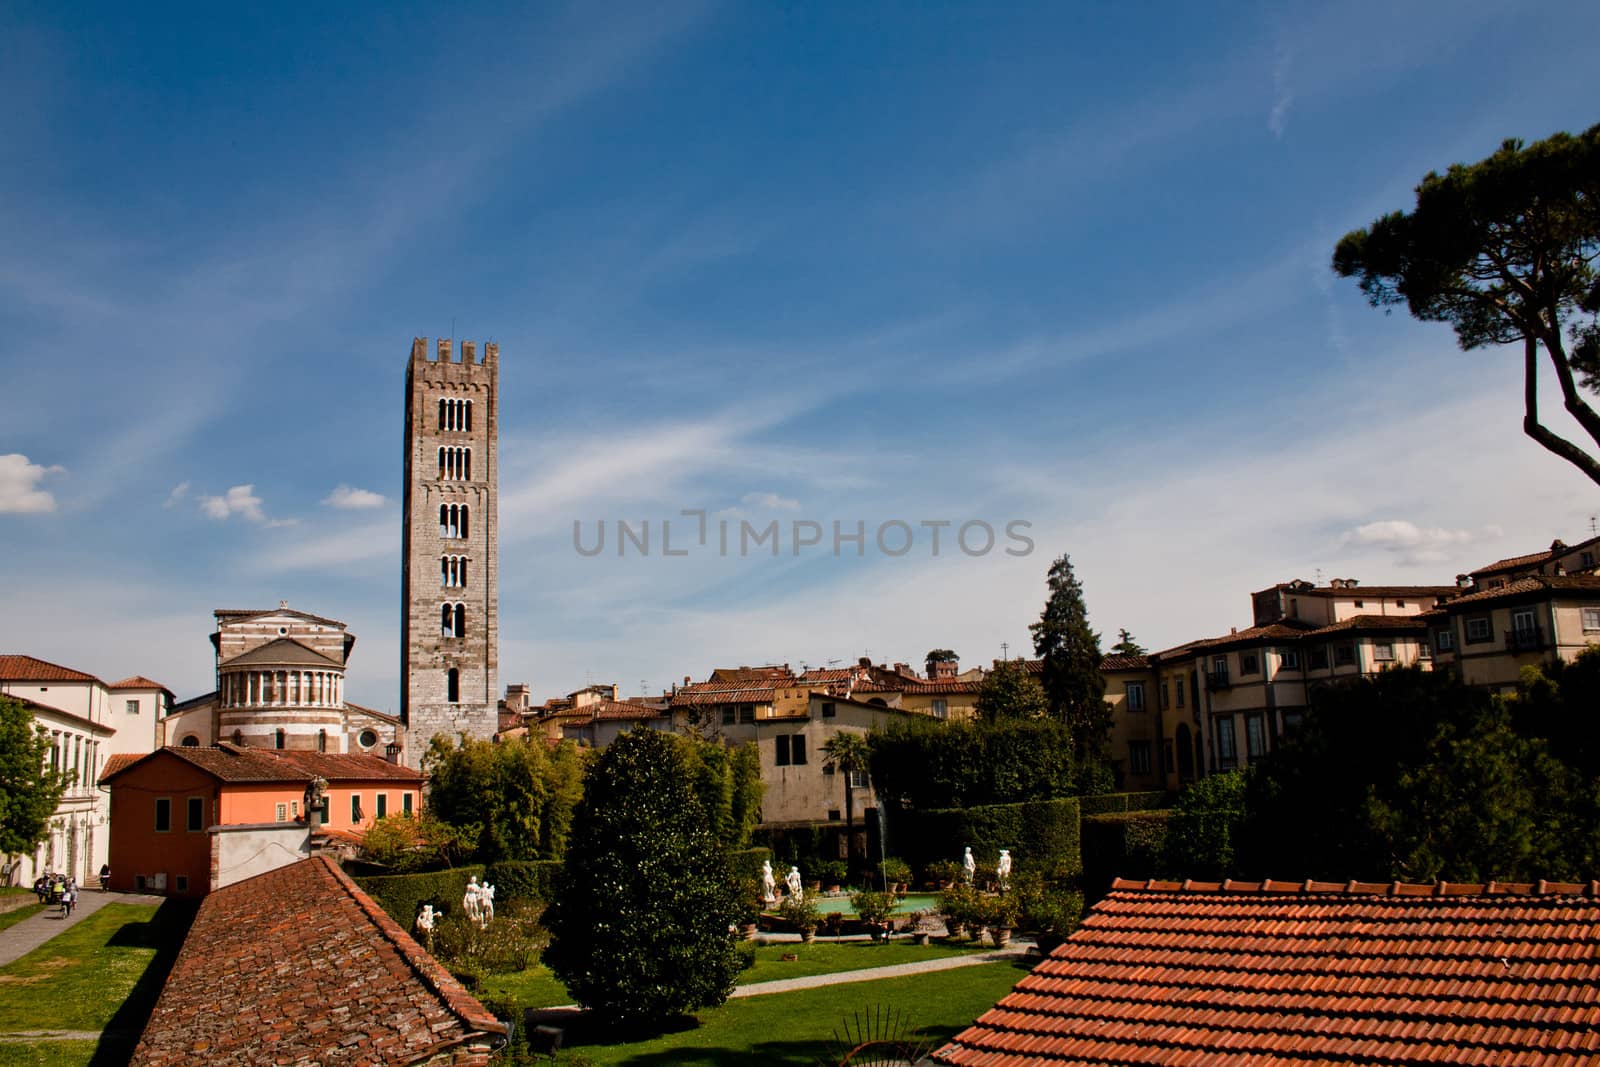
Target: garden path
[[22, 938]]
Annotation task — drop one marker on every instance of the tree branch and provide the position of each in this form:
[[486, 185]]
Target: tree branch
[[1531, 426]]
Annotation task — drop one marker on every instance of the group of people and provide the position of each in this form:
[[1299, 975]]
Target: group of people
[[57, 890]]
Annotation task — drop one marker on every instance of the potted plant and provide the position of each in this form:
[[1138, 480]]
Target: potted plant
[[999, 911], [802, 913], [874, 910], [896, 873], [834, 874], [942, 874], [749, 907], [958, 904], [921, 926]]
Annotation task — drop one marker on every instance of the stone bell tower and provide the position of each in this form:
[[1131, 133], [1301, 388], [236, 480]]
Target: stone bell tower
[[450, 617]]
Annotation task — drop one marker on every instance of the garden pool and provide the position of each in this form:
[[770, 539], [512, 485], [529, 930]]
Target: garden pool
[[909, 903]]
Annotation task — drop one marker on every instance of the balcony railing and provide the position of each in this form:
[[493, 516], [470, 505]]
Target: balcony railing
[[1218, 680], [1525, 639]]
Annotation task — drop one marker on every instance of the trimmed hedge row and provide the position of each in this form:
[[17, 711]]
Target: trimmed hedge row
[[1104, 803], [746, 862], [403, 895], [1122, 845], [1042, 834], [523, 879]]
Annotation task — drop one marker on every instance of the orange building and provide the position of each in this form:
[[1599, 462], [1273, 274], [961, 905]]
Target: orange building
[[186, 821]]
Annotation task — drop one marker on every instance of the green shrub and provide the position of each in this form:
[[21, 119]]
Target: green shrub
[[959, 905], [1042, 835], [1123, 845], [745, 951], [746, 862], [997, 910], [1104, 803], [896, 870], [511, 942], [403, 895], [873, 908], [800, 912], [523, 879], [833, 872]]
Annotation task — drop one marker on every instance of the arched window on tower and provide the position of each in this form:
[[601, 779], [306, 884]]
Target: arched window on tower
[[467, 410], [461, 620], [452, 685], [446, 621], [322, 740], [278, 738], [442, 403]]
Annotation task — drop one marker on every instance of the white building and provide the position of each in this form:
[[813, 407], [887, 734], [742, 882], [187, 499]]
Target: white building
[[88, 722]]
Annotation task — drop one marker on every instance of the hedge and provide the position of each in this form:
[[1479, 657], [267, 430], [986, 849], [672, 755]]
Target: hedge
[[1104, 803], [403, 895], [1122, 845], [523, 879], [1041, 834], [746, 862]]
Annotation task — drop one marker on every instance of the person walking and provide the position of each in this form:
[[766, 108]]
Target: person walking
[[105, 877], [69, 897]]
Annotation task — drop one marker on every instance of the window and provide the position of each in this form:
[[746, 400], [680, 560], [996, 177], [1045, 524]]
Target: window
[[163, 814], [197, 814], [405, 803], [1424, 650], [1361, 603], [1227, 754], [1588, 560], [1166, 754], [182, 883], [278, 738], [452, 685], [322, 740], [383, 804], [1135, 695], [1477, 629], [1399, 603], [1288, 659], [132, 707], [1591, 620], [452, 620], [1383, 651], [827, 768], [1249, 663], [1344, 655], [1177, 690], [453, 572], [1138, 757], [455, 414], [368, 738], [1317, 658], [455, 464], [833, 815], [941, 709], [1444, 640], [1255, 736], [453, 521], [729, 714], [1166, 693], [747, 713], [282, 813], [829, 710], [355, 809], [791, 750], [190, 741], [858, 779]]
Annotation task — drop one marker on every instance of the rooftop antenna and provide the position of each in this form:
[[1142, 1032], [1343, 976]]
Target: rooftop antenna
[[1319, 575], [1005, 651], [831, 662], [1592, 526]]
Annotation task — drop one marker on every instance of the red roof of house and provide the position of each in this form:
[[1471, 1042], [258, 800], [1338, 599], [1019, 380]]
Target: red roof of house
[[298, 965], [1125, 663], [1373, 624], [620, 709], [1533, 584], [943, 685], [17, 668], [1318, 972], [723, 693], [237, 763], [137, 681], [119, 761]]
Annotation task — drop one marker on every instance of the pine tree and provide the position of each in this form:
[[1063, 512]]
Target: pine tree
[[641, 925], [1126, 645], [1071, 653]]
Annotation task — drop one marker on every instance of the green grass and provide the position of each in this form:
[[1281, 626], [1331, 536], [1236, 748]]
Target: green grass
[[47, 1054], [14, 890], [12, 918], [101, 974], [538, 988], [797, 1029]]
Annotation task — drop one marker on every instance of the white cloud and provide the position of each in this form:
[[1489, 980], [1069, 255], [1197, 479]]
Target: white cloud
[[771, 502], [19, 486], [1283, 94], [240, 500], [1411, 544], [179, 491], [349, 497], [339, 551]]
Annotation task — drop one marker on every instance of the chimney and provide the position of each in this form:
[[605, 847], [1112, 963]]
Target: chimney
[[686, 679], [393, 751]]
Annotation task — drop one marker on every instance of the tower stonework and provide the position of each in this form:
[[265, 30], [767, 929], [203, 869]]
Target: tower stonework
[[449, 582]]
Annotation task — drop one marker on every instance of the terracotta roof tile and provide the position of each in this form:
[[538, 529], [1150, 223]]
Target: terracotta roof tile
[[17, 668], [298, 965], [943, 685], [137, 681], [1125, 663], [1372, 623], [1533, 584], [1263, 972], [234, 763], [119, 761], [723, 693]]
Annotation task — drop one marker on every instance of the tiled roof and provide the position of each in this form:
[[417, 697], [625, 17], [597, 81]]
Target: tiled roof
[[1268, 973], [234, 763], [829, 674], [372, 713], [1125, 663], [1534, 584], [299, 966], [620, 709], [138, 681], [722, 693], [751, 674], [16, 668], [944, 685], [1287, 630], [238, 614], [119, 761], [282, 651], [1513, 562], [88, 724], [1373, 623]]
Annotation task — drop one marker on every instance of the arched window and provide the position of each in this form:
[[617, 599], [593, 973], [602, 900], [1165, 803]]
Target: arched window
[[277, 738], [463, 510], [452, 685], [461, 620], [446, 621], [443, 406], [190, 741], [238, 737], [322, 740]]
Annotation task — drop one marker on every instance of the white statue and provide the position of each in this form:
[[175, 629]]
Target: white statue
[[1002, 869], [793, 882], [426, 920], [470, 902], [769, 886], [485, 905], [969, 865]]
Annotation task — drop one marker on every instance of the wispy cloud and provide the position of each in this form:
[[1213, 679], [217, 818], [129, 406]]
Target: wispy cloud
[[179, 491], [351, 498], [338, 550], [19, 486], [1282, 90], [771, 502], [240, 500], [1413, 545]]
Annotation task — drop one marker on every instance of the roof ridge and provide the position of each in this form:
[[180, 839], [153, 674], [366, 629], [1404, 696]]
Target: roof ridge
[[451, 992], [1353, 888]]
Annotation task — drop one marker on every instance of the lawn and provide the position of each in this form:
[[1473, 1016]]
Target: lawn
[[538, 988], [101, 974], [11, 918], [798, 1029]]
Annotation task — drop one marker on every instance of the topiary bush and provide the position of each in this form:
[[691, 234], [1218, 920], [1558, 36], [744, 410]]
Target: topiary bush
[[523, 879], [642, 922], [403, 895]]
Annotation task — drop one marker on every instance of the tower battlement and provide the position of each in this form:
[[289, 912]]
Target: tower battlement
[[444, 353]]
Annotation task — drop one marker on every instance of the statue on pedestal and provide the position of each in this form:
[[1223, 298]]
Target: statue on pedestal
[[969, 865], [1002, 869], [793, 882], [769, 885]]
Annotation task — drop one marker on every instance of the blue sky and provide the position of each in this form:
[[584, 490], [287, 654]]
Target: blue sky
[[813, 262]]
